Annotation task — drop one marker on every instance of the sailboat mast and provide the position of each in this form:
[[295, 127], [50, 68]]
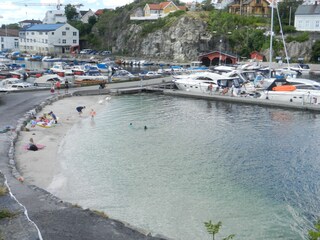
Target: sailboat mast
[[271, 37]]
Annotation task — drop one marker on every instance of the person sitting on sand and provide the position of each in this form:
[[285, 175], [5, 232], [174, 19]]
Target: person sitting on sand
[[54, 117], [32, 146]]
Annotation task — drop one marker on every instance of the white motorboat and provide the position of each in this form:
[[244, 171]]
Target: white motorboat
[[302, 68], [213, 83], [47, 80], [282, 90], [14, 84], [123, 75]]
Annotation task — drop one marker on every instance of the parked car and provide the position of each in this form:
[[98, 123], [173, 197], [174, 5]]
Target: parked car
[[85, 51], [106, 53]]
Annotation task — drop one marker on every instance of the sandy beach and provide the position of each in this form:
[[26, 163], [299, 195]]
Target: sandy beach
[[40, 167]]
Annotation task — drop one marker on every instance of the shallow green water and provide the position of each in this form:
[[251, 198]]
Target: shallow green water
[[255, 169]]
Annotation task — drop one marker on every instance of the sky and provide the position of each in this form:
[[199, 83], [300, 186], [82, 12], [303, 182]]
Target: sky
[[15, 11]]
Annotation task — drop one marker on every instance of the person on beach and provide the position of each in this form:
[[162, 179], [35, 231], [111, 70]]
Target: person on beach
[[79, 109], [52, 89], [58, 86], [66, 86], [54, 117], [32, 146], [92, 113]]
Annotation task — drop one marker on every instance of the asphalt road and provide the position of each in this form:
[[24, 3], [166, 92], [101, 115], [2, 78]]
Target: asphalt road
[[55, 219]]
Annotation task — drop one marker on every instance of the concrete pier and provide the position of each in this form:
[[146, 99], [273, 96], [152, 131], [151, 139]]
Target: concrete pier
[[245, 100]]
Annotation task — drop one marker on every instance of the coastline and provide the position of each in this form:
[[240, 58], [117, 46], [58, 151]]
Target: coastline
[[36, 170], [40, 167]]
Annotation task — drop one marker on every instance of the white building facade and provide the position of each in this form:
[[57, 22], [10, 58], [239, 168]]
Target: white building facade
[[9, 40], [55, 16], [48, 39], [307, 18]]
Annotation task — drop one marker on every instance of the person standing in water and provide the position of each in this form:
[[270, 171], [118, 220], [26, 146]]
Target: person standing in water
[[92, 113]]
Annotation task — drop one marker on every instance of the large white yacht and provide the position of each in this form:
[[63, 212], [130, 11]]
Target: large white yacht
[[211, 83], [302, 91]]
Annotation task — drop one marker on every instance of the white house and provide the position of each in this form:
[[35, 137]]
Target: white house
[[9, 39], [55, 16], [153, 11], [85, 15], [307, 18], [48, 38]]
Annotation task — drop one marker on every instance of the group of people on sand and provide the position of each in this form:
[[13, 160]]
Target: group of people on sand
[[47, 120]]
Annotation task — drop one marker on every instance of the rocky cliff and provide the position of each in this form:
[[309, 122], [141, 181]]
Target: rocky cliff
[[184, 40]]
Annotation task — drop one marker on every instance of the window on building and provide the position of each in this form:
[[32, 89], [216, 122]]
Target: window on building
[[67, 28], [40, 33], [32, 33], [63, 33], [64, 41], [2, 39], [74, 33], [16, 44], [46, 40], [46, 33], [74, 41], [52, 33], [258, 1], [317, 24]]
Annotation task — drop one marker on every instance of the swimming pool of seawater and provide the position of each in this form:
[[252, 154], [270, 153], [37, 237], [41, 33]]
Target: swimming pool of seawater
[[255, 169]]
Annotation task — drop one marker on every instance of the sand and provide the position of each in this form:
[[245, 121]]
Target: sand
[[41, 167]]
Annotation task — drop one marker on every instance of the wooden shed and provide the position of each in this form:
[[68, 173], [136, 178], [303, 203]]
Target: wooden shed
[[217, 58], [257, 56]]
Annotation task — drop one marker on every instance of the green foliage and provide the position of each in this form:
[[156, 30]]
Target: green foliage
[[315, 54], [213, 229], [315, 234], [287, 8], [5, 213], [289, 29], [71, 12], [152, 26], [207, 5], [302, 37], [84, 28], [92, 20], [3, 190]]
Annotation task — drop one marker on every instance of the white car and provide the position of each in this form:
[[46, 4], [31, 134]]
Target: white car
[[85, 51]]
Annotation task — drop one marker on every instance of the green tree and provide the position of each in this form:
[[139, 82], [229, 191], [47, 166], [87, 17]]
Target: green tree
[[287, 8], [70, 12], [315, 54], [213, 229], [92, 20], [315, 234], [207, 5]]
